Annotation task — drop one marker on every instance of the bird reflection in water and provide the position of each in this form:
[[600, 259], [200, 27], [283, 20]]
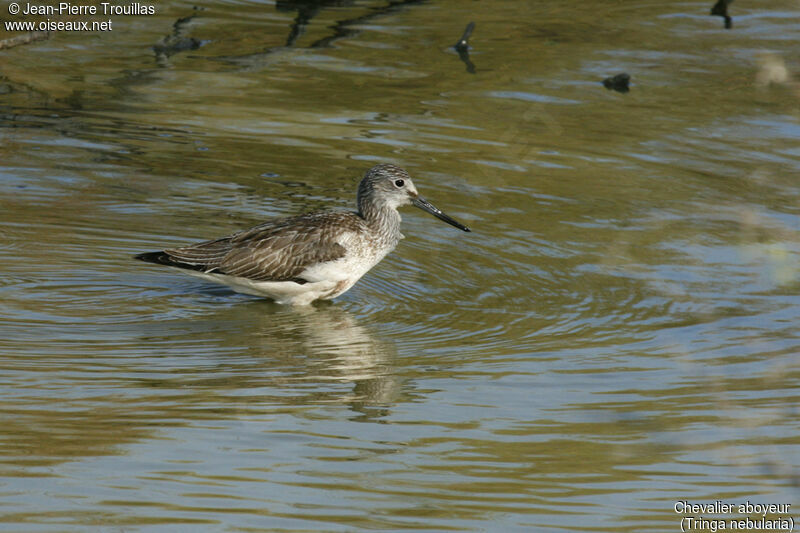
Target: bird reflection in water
[[342, 351], [304, 355], [308, 9], [462, 47], [721, 9]]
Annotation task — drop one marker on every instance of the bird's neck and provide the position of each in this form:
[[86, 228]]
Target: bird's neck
[[382, 218]]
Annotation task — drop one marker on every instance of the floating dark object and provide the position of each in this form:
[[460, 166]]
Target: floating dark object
[[619, 83], [720, 9], [462, 47]]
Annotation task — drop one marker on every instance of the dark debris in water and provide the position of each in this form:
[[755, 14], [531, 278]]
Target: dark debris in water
[[177, 41], [720, 9], [620, 82]]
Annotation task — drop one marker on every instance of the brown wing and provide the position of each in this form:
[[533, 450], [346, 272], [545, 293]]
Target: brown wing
[[278, 250]]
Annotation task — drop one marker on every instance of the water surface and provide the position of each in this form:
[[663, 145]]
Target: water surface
[[618, 333]]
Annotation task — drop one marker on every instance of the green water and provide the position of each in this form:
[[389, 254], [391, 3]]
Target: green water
[[619, 332]]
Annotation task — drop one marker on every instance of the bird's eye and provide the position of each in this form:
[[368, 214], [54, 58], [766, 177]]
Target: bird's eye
[[399, 183]]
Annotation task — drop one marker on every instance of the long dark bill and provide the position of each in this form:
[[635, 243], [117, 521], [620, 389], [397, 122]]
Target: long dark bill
[[435, 211]]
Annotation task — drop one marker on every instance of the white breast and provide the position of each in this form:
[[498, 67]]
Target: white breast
[[361, 256]]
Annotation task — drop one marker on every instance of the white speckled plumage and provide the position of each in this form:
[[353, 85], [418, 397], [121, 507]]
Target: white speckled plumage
[[297, 260]]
